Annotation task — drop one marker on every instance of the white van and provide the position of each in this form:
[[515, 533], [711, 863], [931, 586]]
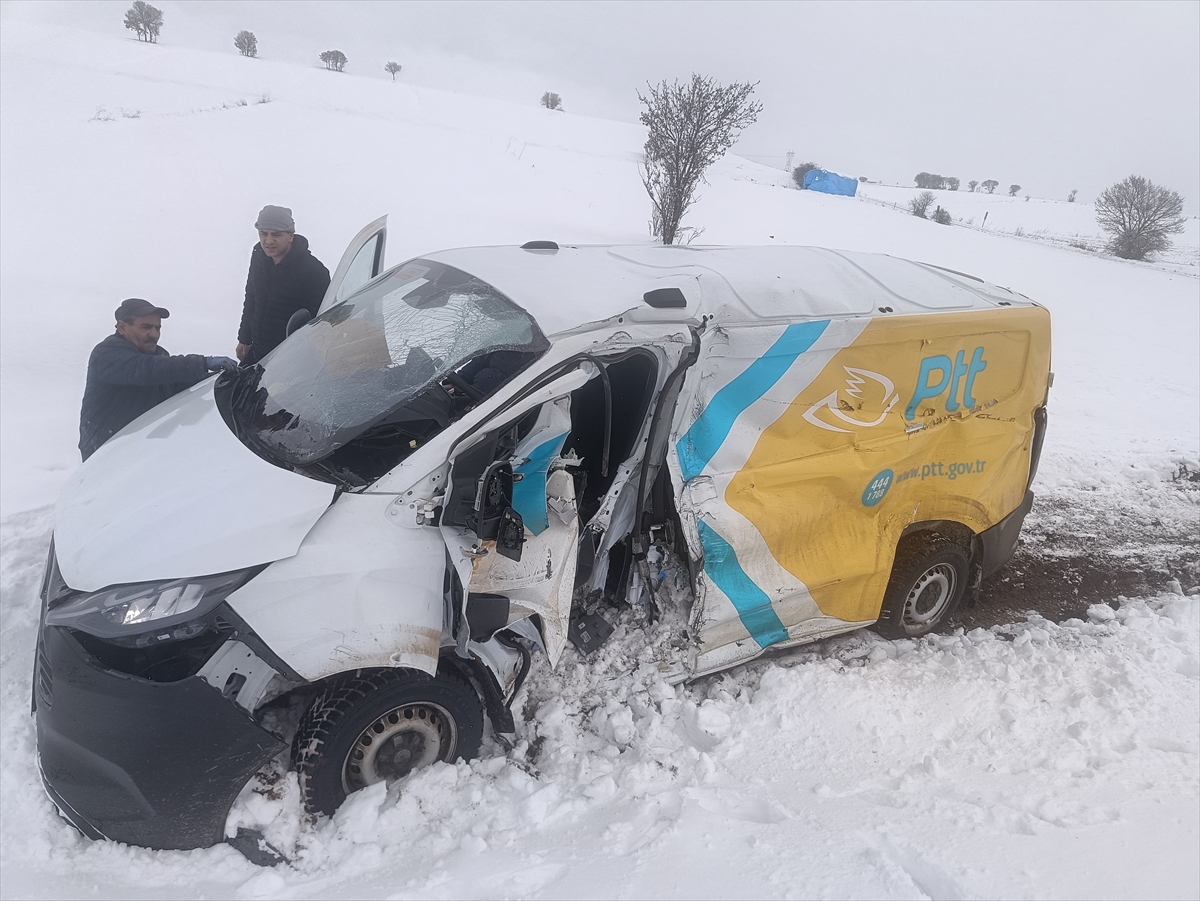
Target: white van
[[389, 520]]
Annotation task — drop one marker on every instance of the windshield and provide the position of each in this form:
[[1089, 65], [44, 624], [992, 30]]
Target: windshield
[[360, 363]]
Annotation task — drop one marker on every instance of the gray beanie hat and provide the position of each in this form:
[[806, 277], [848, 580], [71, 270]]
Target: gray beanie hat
[[276, 219]]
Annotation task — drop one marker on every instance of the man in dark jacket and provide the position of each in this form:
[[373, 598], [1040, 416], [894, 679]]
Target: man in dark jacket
[[128, 373], [284, 277]]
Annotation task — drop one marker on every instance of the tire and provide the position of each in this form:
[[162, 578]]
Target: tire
[[928, 580], [380, 725]]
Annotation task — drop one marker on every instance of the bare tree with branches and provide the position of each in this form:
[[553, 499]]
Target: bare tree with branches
[[392, 68], [144, 20], [1138, 216], [972, 185], [689, 127], [246, 43], [990, 185], [1013, 189], [920, 204], [550, 100]]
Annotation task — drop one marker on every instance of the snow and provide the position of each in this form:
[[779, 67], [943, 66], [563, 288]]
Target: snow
[[1030, 760]]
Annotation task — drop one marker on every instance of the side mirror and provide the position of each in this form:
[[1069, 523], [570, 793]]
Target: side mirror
[[493, 517], [298, 319]]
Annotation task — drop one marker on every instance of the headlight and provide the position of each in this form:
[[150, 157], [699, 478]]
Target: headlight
[[128, 610]]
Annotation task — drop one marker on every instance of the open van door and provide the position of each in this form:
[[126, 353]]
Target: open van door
[[510, 520], [362, 261]]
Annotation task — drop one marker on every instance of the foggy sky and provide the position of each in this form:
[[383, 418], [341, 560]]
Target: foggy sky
[[1051, 96]]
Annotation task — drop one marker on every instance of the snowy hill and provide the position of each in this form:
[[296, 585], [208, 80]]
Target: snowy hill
[[1004, 762]]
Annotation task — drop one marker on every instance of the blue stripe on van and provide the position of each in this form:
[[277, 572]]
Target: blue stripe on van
[[711, 428], [529, 494], [752, 604]]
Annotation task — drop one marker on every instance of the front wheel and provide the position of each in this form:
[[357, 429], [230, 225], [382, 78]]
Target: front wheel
[[928, 580], [378, 726]]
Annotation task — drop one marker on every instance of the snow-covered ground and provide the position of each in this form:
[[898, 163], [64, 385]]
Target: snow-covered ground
[[1034, 759]]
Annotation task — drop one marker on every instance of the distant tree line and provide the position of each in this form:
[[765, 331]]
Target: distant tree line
[[936, 182]]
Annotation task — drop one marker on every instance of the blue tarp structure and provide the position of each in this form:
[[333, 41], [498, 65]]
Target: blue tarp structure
[[828, 183]]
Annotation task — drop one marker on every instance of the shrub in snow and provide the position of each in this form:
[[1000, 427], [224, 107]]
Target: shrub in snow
[[920, 204], [941, 217], [689, 127], [246, 43], [144, 20], [800, 171], [392, 68], [550, 100], [1138, 215], [990, 185], [1071, 196], [334, 59]]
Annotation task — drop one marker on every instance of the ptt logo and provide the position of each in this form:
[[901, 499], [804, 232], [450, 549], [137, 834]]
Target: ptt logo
[[868, 389], [947, 380]]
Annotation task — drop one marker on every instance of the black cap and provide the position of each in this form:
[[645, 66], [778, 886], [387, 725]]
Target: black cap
[[133, 307]]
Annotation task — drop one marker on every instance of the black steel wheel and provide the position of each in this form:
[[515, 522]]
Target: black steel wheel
[[378, 726], [928, 580]]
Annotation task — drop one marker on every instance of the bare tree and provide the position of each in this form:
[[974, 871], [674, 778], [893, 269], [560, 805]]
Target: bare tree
[[1013, 189], [144, 20], [802, 170], [920, 204], [990, 185], [246, 43], [1071, 196], [392, 68], [1138, 215], [334, 59], [972, 185], [689, 127], [550, 100]]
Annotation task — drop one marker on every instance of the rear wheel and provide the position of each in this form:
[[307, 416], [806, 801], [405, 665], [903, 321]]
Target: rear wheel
[[379, 726], [928, 580]]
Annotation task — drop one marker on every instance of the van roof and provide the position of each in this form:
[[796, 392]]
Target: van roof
[[567, 288]]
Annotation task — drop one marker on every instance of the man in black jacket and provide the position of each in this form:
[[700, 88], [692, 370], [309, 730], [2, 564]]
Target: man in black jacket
[[284, 277], [128, 373]]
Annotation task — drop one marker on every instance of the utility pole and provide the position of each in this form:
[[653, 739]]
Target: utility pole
[[791, 156]]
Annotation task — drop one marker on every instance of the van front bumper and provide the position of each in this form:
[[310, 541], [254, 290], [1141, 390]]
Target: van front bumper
[[156, 764]]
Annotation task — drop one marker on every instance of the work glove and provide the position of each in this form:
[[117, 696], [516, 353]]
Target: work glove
[[227, 364]]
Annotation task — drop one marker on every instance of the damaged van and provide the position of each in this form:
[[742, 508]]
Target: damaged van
[[427, 491]]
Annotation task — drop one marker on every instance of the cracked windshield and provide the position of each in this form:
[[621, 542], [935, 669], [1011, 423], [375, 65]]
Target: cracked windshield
[[359, 363]]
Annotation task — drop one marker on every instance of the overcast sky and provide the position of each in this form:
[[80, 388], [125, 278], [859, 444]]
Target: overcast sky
[[1052, 96]]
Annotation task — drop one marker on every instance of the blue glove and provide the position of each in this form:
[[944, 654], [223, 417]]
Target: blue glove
[[228, 364]]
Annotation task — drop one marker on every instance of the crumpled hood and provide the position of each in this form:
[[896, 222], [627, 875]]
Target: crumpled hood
[[176, 494]]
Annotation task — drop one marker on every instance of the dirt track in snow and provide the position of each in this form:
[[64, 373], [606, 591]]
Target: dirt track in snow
[[1081, 547]]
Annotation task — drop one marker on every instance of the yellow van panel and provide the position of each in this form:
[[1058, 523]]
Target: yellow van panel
[[920, 418]]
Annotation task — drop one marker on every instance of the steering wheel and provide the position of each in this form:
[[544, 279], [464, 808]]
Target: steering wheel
[[464, 386]]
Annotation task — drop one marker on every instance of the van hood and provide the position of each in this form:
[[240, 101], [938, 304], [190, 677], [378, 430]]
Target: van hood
[[176, 494]]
